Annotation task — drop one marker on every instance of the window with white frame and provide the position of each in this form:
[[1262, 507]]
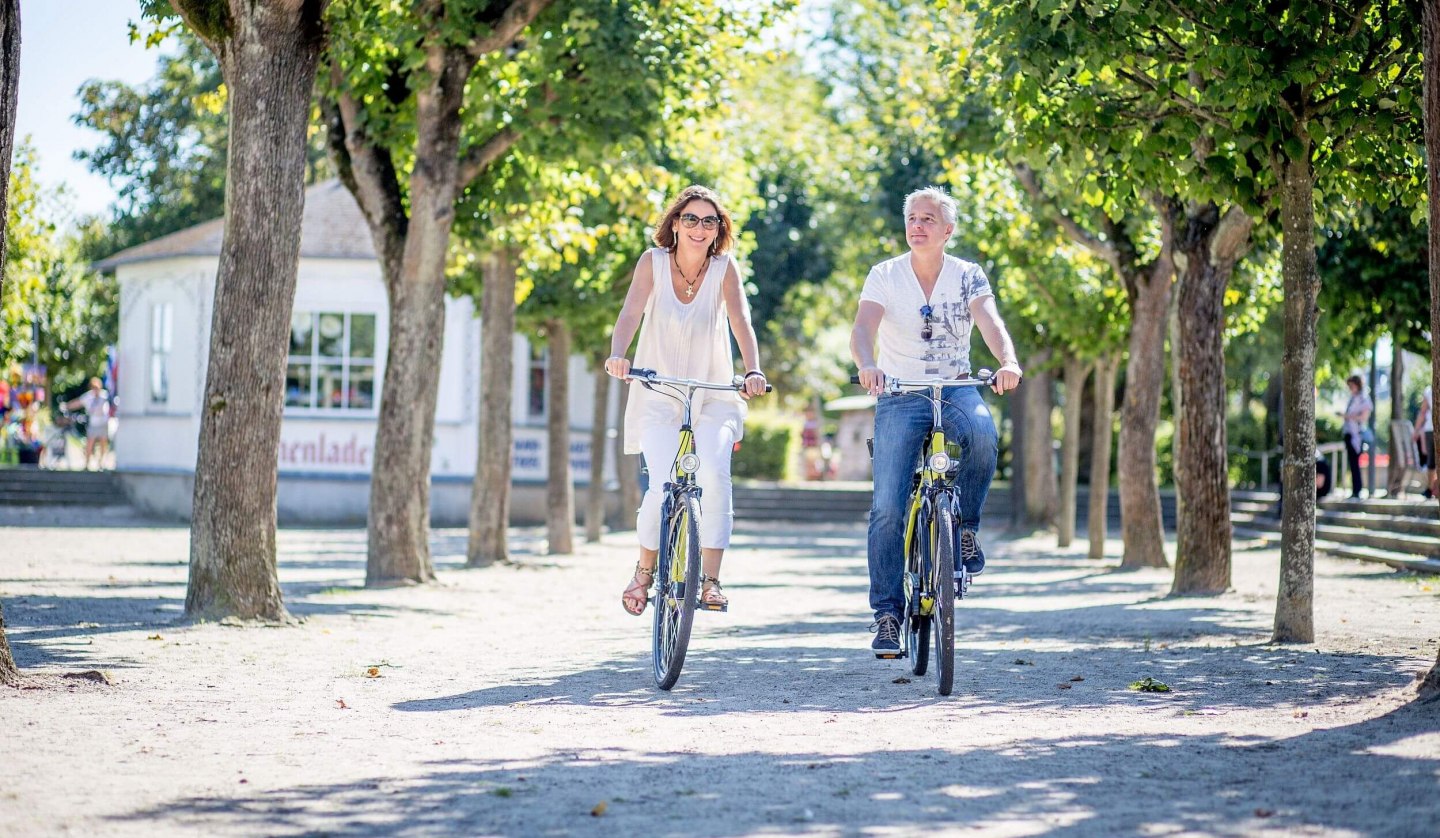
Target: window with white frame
[[535, 401], [162, 335], [332, 362]]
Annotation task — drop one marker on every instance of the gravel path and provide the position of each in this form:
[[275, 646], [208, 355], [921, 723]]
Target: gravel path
[[517, 700]]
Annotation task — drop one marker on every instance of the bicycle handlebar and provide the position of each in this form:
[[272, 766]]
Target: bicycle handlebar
[[652, 377], [983, 378]]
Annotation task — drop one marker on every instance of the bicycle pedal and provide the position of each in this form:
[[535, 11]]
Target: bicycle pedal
[[718, 608], [890, 656]]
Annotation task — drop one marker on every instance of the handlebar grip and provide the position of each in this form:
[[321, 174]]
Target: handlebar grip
[[854, 379], [641, 372], [769, 389]]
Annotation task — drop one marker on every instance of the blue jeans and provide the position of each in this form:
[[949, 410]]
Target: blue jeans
[[902, 423]]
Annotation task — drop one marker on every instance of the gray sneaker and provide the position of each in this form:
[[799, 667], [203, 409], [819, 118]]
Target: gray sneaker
[[887, 637], [972, 556]]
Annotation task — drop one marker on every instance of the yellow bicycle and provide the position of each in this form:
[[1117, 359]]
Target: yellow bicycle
[[932, 584], [677, 571]]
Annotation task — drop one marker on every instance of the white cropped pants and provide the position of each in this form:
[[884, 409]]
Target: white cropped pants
[[715, 437]]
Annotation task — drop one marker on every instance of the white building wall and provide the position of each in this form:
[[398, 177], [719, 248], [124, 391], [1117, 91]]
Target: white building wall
[[325, 457]]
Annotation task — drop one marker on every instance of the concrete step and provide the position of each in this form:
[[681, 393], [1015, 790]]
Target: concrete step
[[1244, 538], [29, 486], [1412, 508], [1415, 546], [1399, 561], [1390, 523]]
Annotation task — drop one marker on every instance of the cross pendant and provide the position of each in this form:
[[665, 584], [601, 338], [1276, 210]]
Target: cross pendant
[[690, 291]]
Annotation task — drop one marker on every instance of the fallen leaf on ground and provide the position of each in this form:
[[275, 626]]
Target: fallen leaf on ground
[[372, 672], [1078, 678], [1264, 813], [1150, 685], [901, 680], [1063, 686], [99, 676], [1300, 714], [1023, 662], [154, 637], [599, 809], [340, 704]]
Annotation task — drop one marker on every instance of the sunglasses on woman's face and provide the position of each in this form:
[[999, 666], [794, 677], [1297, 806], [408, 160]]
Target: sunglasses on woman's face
[[690, 219], [925, 331]]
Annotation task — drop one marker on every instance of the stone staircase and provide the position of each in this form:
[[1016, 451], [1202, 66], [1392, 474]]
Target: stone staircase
[[1404, 534], [836, 502], [31, 486]]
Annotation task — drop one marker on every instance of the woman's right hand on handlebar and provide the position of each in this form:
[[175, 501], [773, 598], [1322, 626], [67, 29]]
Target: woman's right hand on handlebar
[[617, 366], [872, 379]]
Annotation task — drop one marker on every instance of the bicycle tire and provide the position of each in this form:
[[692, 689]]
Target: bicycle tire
[[944, 616], [917, 626], [676, 591]]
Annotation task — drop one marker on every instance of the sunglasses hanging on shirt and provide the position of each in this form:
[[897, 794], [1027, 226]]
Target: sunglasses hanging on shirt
[[926, 332]]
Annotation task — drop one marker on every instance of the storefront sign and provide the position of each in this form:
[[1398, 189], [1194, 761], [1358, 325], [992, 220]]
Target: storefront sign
[[320, 450]]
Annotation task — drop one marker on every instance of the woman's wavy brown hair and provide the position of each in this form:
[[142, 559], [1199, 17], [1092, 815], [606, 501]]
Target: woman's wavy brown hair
[[724, 235]]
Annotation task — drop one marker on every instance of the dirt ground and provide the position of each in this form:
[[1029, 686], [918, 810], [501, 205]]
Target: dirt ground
[[517, 700]]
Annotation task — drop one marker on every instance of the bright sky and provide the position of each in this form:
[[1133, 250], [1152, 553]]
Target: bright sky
[[63, 44]]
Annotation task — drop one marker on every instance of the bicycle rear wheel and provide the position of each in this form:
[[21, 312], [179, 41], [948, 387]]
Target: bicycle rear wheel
[[917, 624], [943, 619], [677, 576]]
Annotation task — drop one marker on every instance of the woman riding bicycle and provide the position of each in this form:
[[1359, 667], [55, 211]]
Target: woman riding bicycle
[[686, 290]]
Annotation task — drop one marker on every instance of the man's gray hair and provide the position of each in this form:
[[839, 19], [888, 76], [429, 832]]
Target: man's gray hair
[[948, 208]]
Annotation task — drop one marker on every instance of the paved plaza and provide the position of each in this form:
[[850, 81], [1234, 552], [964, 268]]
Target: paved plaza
[[517, 700]]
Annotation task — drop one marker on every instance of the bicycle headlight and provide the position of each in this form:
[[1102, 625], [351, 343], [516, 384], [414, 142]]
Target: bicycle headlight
[[940, 462], [690, 463]]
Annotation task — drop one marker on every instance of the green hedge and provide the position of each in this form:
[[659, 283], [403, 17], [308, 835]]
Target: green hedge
[[770, 448]]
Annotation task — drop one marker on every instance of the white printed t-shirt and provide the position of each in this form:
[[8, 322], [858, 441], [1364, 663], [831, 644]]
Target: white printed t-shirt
[[902, 351]]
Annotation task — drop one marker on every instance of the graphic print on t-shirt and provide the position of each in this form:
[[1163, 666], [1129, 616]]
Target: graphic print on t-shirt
[[906, 348]]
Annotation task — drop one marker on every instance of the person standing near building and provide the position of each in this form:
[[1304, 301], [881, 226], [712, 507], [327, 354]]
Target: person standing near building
[[686, 291], [1424, 436], [918, 310], [96, 404], [1355, 430]]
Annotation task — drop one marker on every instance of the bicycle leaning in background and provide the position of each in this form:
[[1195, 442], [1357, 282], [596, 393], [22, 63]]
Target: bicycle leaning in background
[[934, 581], [677, 570]]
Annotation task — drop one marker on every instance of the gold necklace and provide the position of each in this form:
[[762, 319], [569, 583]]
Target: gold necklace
[[690, 283]]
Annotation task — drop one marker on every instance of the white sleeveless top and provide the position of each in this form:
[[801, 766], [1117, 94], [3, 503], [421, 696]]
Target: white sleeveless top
[[683, 340]]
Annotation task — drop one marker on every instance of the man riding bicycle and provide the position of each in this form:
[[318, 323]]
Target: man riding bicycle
[[919, 310]]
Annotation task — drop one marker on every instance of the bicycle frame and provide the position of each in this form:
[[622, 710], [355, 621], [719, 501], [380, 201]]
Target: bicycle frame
[[933, 483], [678, 595]]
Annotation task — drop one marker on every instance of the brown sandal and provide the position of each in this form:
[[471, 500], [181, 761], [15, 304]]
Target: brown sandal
[[638, 592], [711, 597]]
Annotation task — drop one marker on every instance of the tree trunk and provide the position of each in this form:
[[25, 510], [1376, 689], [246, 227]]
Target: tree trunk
[[627, 469], [1395, 483], [1040, 489], [1212, 245], [400, 484], [268, 57], [490, 497], [599, 434], [1076, 371], [1141, 525], [1018, 453], [9, 91], [1294, 606], [1098, 516], [559, 487], [9, 672], [1177, 392], [1430, 47]]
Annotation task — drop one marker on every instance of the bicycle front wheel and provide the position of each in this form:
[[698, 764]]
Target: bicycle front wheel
[[943, 619], [917, 612], [677, 577]]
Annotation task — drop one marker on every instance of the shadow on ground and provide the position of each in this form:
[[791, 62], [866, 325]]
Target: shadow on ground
[[1208, 784]]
